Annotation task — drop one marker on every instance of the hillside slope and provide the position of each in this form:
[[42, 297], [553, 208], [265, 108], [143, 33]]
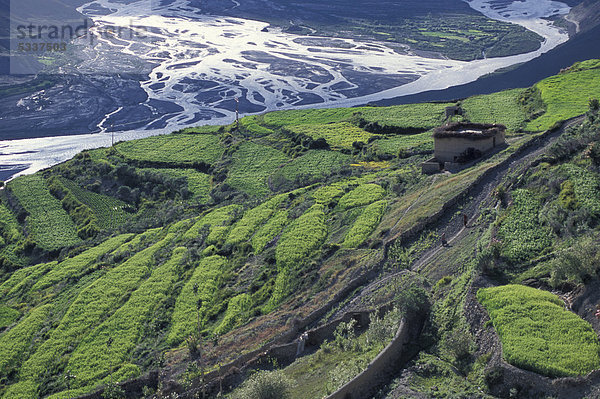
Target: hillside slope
[[216, 243]]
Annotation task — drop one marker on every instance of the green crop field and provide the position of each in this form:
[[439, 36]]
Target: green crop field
[[503, 107], [362, 195], [16, 341], [253, 219], [75, 267], [8, 316], [307, 117], [252, 165], [520, 232], [219, 217], [109, 211], [251, 124], [303, 236], [538, 334], [270, 230], [418, 116], [48, 222], [185, 318], [314, 164], [93, 358], [567, 95], [179, 149], [337, 135], [365, 224], [422, 142], [88, 310]]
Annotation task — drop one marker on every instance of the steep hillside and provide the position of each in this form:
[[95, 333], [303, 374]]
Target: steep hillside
[[205, 253]]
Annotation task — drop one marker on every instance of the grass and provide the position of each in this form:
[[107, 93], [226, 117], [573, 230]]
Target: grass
[[8, 316], [314, 164], [502, 107], [110, 212], [269, 230], [365, 224], [252, 165], [362, 195], [567, 95], [338, 135], [47, 221], [216, 218], [417, 116], [178, 149], [15, 342], [538, 334], [520, 232], [298, 242], [89, 309], [244, 229], [422, 142], [205, 279], [93, 358], [73, 268]]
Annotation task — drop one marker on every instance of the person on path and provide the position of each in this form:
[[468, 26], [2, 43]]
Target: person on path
[[444, 242], [465, 219]]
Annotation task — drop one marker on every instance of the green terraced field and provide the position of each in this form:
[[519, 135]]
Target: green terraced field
[[219, 217], [538, 334], [179, 149], [252, 165], [307, 117], [205, 278], [253, 219], [422, 142], [109, 211], [586, 186], [48, 222], [503, 107], [87, 311], [365, 224], [337, 135], [567, 95], [362, 195], [313, 165], [93, 359], [420, 116], [270, 230]]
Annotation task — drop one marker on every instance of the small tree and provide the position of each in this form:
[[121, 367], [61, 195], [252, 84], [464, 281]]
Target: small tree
[[594, 104]]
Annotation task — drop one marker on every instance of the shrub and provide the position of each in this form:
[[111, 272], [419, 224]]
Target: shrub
[[265, 385]]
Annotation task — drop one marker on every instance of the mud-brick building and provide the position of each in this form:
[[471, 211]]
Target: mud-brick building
[[458, 143]]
